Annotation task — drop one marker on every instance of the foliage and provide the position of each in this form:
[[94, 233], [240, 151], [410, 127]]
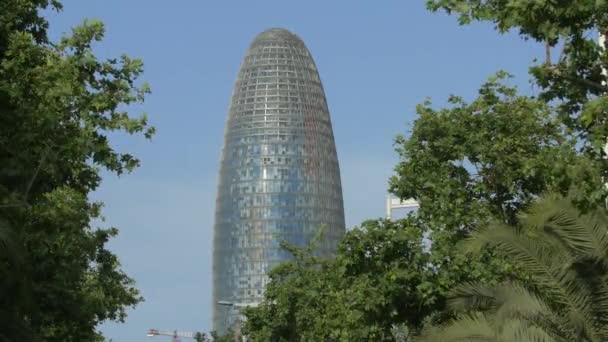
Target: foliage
[[480, 161], [293, 309], [386, 281], [566, 296], [574, 78], [380, 284], [58, 103], [538, 19], [201, 337], [485, 158], [23, 16]]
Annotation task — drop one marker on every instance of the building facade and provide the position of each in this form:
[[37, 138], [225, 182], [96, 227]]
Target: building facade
[[279, 175]]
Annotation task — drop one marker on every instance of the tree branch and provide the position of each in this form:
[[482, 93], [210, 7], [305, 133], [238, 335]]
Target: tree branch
[[31, 182], [13, 205], [590, 84], [586, 82], [24, 202]]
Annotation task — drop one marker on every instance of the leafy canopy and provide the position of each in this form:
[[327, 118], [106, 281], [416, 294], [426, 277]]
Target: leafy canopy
[[374, 281], [573, 78], [58, 102]]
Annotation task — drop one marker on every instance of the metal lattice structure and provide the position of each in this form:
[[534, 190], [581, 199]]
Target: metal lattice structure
[[279, 175]]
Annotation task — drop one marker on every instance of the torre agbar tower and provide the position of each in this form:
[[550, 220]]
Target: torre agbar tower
[[279, 175]]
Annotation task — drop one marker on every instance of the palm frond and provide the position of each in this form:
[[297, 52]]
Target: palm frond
[[539, 258], [558, 218], [475, 327], [565, 298], [508, 301], [519, 330], [472, 296]]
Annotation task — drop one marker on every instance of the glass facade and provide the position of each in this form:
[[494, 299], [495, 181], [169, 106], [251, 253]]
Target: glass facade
[[279, 175]]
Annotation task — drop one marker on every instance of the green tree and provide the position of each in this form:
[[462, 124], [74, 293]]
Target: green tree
[[565, 298], [295, 300], [201, 337], [58, 102], [380, 285], [573, 79], [476, 162], [384, 280], [227, 337]]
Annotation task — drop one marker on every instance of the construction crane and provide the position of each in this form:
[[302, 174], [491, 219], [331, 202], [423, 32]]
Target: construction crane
[[177, 335]]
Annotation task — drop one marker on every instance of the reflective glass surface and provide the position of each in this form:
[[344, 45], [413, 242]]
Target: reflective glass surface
[[279, 175]]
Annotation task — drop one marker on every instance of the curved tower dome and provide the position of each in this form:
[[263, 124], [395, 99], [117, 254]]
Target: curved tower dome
[[279, 175]]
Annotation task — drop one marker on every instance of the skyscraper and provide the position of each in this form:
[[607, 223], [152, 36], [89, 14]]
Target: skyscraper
[[279, 175]]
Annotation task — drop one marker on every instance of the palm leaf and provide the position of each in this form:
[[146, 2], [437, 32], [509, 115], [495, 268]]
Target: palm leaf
[[565, 254], [557, 217], [474, 327]]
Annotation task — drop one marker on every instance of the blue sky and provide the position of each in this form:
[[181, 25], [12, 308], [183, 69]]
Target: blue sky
[[376, 63]]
